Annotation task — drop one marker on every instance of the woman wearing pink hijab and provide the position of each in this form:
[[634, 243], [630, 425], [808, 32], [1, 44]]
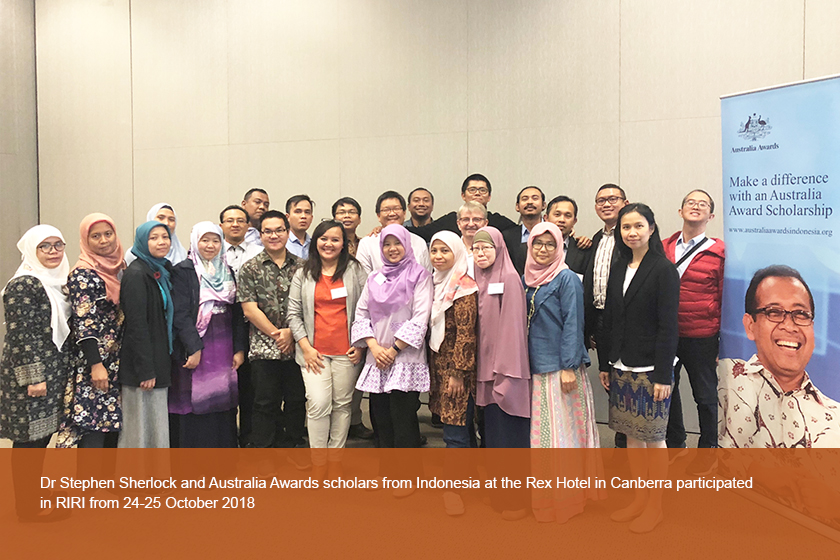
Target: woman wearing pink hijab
[[503, 384], [562, 410]]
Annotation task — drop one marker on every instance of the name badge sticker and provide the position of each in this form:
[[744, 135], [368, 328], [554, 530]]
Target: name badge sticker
[[338, 293], [379, 278], [496, 288]]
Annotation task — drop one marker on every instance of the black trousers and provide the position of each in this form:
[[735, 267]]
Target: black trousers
[[699, 357], [27, 465], [279, 404], [97, 464], [506, 431], [246, 403], [396, 418]]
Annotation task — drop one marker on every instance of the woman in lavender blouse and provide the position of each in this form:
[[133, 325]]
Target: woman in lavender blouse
[[391, 319]]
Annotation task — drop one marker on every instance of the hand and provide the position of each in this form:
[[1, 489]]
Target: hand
[[148, 385], [314, 360], [583, 242], [604, 376], [375, 231], [37, 390], [384, 356], [455, 387], [661, 392], [238, 359], [99, 377], [568, 381], [355, 354], [193, 360], [284, 340]]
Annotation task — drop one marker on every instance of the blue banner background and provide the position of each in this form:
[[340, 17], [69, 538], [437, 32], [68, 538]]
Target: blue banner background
[[793, 129]]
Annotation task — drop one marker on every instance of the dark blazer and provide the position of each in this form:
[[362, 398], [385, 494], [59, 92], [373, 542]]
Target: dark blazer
[[589, 311], [517, 250], [641, 327], [185, 294], [449, 222], [144, 353], [577, 259]]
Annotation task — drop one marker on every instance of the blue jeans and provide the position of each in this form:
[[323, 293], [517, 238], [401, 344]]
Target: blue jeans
[[461, 436]]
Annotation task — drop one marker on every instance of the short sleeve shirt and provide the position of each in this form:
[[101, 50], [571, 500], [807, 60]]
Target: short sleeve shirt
[[262, 282]]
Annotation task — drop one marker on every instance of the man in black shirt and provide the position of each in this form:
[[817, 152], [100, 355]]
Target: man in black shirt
[[475, 187]]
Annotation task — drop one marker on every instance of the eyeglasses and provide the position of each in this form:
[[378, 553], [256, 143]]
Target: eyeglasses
[[342, 213], [613, 200], [538, 245], [478, 190], [234, 221], [271, 232], [391, 210], [777, 315], [701, 204], [48, 247], [472, 220], [483, 249]]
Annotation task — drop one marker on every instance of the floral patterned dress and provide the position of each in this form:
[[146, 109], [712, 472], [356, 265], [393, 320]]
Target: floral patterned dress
[[455, 358], [30, 357], [87, 409]]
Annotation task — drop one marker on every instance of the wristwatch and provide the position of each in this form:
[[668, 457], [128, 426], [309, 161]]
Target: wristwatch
[[396, 348]]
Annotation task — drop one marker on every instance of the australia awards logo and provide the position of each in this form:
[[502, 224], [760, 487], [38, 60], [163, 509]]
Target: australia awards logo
[[756, 128]]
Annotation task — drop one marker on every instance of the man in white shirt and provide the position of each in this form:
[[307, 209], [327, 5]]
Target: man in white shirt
[[255, 203], [769, 400], [234, 221], [299, 211], [390, 209]]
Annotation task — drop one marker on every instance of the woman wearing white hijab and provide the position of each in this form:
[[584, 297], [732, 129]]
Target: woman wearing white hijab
[[35, 367], [165, 214]]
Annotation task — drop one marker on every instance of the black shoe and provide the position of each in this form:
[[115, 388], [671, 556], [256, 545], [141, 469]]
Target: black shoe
[[50, 516], [436, 421], [423, 441], [360, 431], [704, 463]]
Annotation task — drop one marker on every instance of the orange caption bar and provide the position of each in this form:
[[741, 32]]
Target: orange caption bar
[[390, 503]]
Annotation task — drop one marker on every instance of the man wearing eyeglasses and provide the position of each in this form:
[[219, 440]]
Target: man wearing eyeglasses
[[475, 187], [263, 291], [390, 209], [234, 221], [769, 400], [699, 260]]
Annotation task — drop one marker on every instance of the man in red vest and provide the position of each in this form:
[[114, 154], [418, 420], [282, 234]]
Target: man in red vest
[[699, 260]]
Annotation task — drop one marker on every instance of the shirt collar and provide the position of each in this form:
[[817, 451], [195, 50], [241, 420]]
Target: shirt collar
[[755, 367], [293, 238], [608, 231], [691, 242]]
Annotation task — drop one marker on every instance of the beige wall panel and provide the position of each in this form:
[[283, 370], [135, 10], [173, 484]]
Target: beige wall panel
[[822, 49], [370, 166], [678, 58], [285, 169], [573, 160], [18, 150], [193, 180], [79, 184], [283, 70], [403, 67], [542, 63], [84, 76], [661, 161], [179, 70]]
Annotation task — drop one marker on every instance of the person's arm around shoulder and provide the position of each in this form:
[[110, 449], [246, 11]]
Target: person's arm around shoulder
[[569, 296]]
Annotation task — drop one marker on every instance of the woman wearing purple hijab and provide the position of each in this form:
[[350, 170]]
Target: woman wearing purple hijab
[[391, 319], [504, 380]]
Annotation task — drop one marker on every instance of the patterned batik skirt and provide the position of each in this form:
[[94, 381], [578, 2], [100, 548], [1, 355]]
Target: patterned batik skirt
[[633, 411]]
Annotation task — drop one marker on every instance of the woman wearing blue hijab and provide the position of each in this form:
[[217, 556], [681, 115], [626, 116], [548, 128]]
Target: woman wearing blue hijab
[[145, 366]]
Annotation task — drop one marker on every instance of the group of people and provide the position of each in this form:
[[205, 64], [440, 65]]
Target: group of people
[[262, 322]]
